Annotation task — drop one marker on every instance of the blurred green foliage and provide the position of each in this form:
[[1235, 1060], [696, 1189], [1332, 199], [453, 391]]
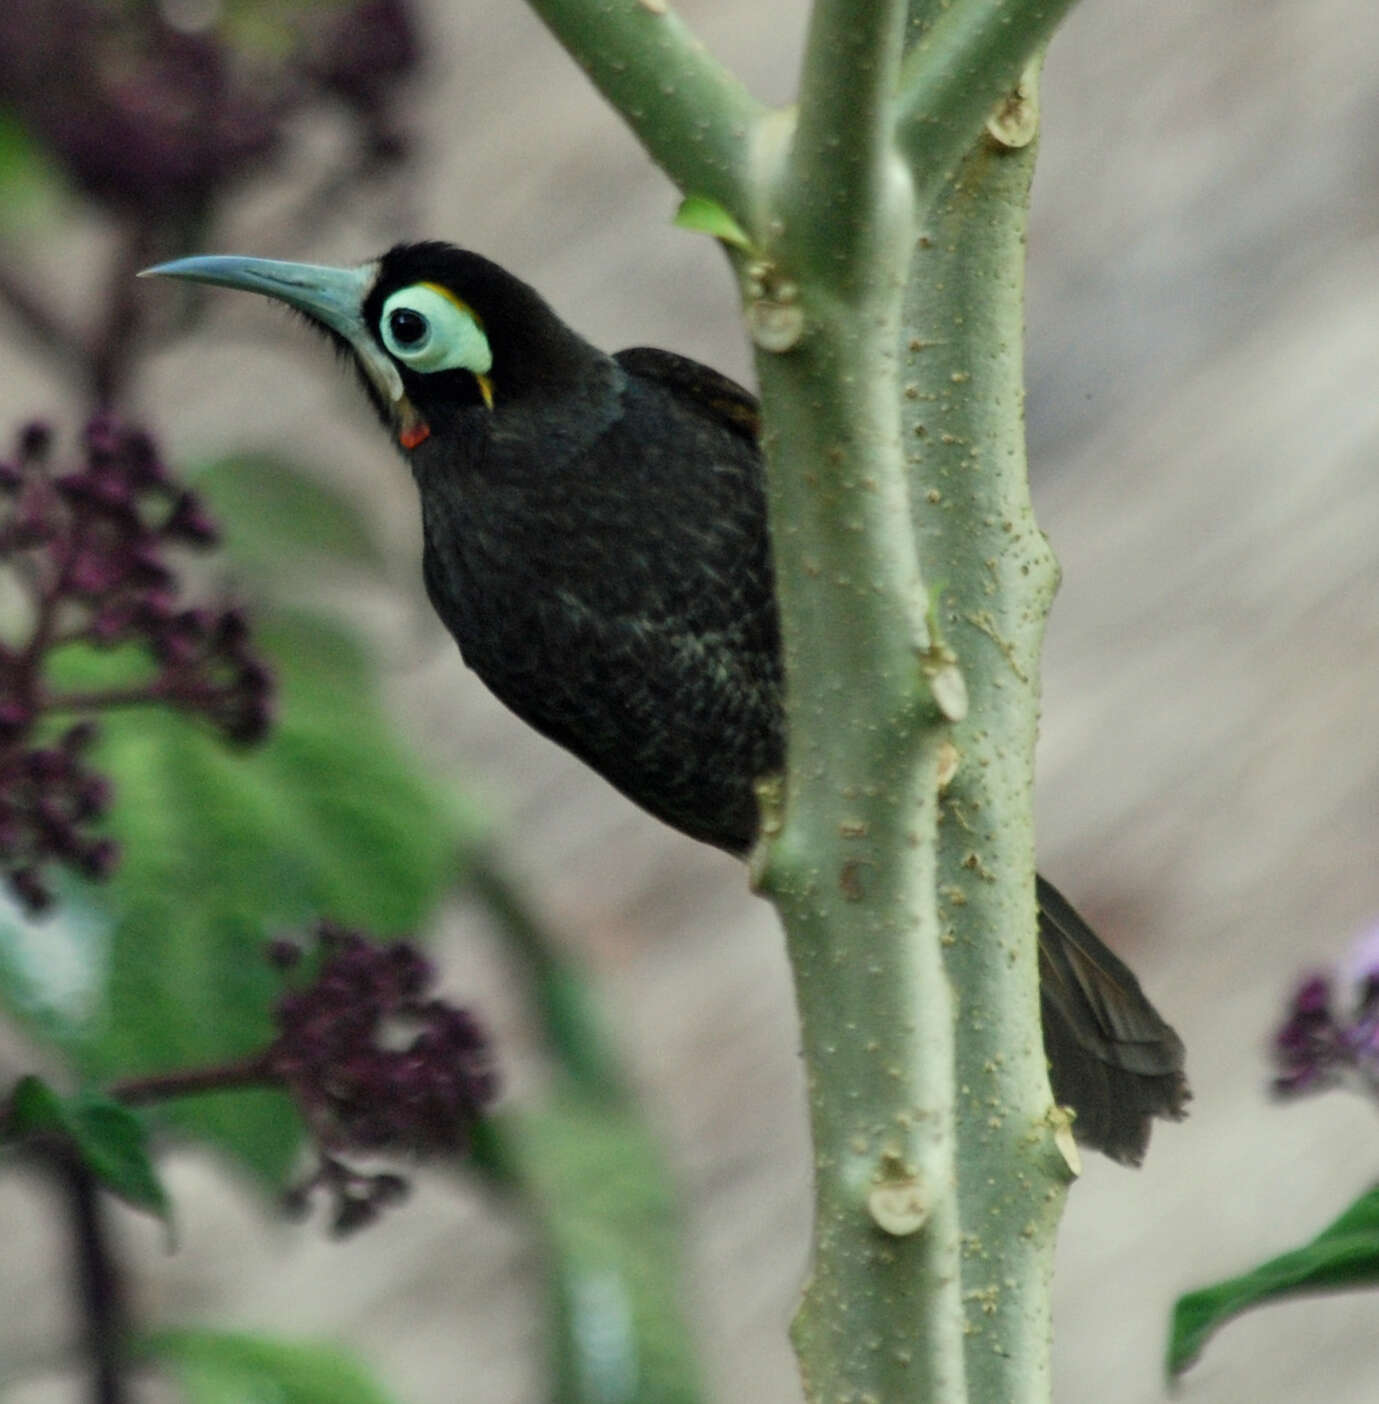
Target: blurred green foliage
[[225, 1367]]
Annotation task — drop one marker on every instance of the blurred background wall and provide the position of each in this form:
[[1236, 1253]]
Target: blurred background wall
[[1204, 434]]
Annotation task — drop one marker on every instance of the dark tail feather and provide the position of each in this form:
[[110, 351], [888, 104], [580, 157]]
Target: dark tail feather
[[1111, 1057]]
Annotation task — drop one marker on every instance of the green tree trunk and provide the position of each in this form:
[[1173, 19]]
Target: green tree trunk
[[877, 230]]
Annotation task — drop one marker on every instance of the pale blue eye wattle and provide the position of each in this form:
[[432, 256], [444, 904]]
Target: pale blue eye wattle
[[429, 331]]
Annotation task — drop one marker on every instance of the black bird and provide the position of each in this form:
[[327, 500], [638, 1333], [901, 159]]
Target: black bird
[[596, 541]]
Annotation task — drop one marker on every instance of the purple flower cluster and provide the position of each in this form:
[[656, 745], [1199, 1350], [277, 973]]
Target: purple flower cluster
[[362, 54], [47, 799], [146, 116], [1320, 1046], [375, 1063], [142, 115], [89, 548]]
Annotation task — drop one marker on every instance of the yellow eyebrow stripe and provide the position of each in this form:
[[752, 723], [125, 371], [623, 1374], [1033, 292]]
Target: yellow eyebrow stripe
[[456, 301]]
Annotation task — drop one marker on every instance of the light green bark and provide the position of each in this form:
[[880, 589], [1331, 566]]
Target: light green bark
[[883, 288], [963, 399]]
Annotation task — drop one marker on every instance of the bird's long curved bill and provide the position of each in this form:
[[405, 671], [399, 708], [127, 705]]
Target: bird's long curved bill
[[332, 296]]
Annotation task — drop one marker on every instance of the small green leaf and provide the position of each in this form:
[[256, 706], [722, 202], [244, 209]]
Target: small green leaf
[[223, 1367], [111, 1140], [1343, 1255], [34, 1109], [700, 215], [114, 1144], [277, 517]]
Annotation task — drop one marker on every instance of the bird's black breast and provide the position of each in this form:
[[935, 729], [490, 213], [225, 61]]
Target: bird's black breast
[[605, 569]]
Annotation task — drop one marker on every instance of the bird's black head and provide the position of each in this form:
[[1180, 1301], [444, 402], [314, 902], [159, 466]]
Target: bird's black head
[[436, 331]]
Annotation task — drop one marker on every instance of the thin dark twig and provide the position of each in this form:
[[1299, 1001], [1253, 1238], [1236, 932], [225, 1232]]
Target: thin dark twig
[[97, 1277], [112, 358]]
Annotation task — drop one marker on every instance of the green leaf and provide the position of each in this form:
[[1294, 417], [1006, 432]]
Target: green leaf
[[700, 215], [27, 177], [1343, 1255], [162, 967], [223, 1367], [605, 1197], [111, 1140], [279, 518]]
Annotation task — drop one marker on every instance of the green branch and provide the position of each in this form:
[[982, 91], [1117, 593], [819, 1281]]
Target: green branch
[[964, 64], [850, 865], [849, 855], [693, 116], [842, 186], [936, 1198], [971, 506]]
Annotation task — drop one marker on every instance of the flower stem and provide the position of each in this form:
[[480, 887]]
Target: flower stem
[[254, 1071]]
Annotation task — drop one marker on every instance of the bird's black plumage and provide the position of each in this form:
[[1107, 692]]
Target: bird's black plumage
[[595, 540], [597, 545]]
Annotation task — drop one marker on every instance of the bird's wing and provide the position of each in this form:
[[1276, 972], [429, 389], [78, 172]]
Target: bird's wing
[[724, 400], [1112, 1056]]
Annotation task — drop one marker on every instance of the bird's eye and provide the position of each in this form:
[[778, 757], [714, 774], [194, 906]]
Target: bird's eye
[[429, 329], [408, 328]]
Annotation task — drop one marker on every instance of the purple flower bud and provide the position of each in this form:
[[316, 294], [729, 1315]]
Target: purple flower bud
[[91, 798], [98, 860], [101, 436], [1313, 997], [390, 1189], [112, 624], [190, 523], [33, 523], [35, 438], [195, 623], [143, 464], [296, 1200], [15, 718], [52, 818], [351, 1215], [155, 609], [146, 568], [110, 492], [30, 890], [365, 50], [1293, 1083], [247, 722], [1323, 1043], [176, 650], [93, 574], [47, 765], [283, 954], [253, 679], [230, 631], [410, 970], [79, 737]]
